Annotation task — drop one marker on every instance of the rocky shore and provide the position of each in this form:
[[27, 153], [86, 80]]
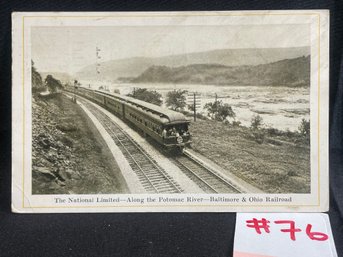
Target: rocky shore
[[68, 157]]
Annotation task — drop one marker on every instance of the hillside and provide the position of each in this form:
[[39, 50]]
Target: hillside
[[132, 67], [69, 155], [289, 72]]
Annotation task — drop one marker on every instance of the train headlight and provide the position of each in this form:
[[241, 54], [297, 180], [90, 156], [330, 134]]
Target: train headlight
[[179, 140]]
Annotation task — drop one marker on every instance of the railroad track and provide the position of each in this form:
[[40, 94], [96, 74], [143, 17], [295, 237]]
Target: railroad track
[[153, 178], [207, 179]]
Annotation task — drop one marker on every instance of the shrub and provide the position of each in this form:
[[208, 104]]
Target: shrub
[[289, 133], [36, 80], [190, 107], [53, 84], [219, 111], [256, 122], [236, 123], [176, 99], [304, 128], [259, 136], [201, 116], [292, 173], [274, 132], [146, 95]]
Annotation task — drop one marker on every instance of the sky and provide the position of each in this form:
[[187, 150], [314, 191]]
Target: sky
[[69, 49]]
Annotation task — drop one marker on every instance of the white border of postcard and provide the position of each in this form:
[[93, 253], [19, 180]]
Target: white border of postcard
[[24, 202]]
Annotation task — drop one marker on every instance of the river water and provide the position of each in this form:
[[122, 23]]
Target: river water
[[280, 107]]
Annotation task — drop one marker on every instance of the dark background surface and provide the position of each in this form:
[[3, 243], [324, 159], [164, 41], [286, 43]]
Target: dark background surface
[[154, 234]]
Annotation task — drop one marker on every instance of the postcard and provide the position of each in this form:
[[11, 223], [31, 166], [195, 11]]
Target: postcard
[[170, 111]]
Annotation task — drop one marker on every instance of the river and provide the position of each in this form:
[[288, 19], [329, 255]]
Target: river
[[280, 107]]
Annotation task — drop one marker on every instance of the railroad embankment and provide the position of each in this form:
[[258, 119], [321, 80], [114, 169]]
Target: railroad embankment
[[273, 163], [68, 154]]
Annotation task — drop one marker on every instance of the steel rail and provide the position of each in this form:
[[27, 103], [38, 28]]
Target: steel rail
[[214, 173], [158, 176], [209, 172]]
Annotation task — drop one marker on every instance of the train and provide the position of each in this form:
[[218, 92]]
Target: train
[[168, 128]]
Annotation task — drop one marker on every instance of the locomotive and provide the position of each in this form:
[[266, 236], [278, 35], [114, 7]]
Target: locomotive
[[168, 128]]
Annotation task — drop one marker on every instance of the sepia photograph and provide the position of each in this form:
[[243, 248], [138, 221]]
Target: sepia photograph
[[185, 109]]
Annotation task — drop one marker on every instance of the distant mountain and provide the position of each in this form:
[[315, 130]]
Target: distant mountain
[[290, 72], [112, 70], [132, 67], [61, 76]]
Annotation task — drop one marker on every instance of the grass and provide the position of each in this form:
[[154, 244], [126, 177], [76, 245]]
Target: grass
[[278, 164]]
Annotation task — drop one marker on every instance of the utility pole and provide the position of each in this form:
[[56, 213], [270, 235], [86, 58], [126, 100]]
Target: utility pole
[[97, 64], [194, 102], [195, 108], [75, 85], [98, 57]]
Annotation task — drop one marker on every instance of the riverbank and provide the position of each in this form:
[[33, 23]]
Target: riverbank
[[280, 107], [273, 163], [68, 154]]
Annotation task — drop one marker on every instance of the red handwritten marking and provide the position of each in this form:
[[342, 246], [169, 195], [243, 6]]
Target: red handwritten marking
[[258, 225], [292, 228], [315, 235]]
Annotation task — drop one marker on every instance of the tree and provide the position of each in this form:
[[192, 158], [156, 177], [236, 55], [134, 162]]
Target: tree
[[53, 84], [256, 122], [36, 79], [147, 96], [176, 99], [304, 127], [219, 111]]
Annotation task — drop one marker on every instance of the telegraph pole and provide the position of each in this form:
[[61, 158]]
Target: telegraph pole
[[195, 108], [98, 57], [75, 85], [97, 64], [194, 102]]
